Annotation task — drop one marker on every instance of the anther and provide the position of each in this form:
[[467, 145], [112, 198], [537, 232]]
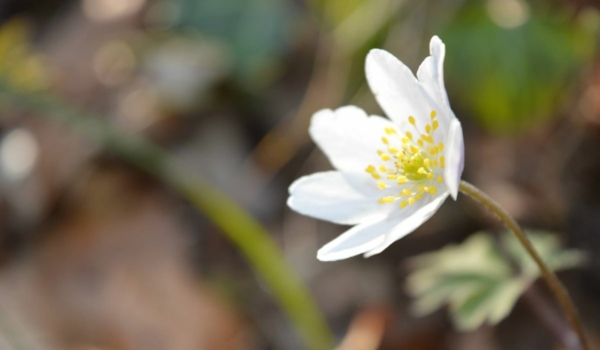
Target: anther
[[433, 114], [388, 199], [381, 185], [411, 120]]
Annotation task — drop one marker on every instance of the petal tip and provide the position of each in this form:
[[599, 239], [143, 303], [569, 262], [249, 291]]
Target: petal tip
[[437, 48], [323, 255], [377, 55]]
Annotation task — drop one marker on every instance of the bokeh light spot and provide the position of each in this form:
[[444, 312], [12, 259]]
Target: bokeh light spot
[[18, 154], [110, 10], [508, 13], [114, 63]]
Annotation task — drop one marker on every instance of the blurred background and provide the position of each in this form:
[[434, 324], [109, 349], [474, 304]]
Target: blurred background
[[104, 103]]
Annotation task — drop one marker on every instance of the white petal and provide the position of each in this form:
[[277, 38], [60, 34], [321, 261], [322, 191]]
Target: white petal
[[348, 137], [397, 90], [373, 237], [343, 198], [357, 240], [431, 75], [419, 215], [455, 158]]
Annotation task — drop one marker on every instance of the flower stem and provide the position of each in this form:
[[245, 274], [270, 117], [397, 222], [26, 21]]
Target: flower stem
[[554, 283]]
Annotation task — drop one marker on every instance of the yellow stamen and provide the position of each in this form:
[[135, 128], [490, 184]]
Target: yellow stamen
[[411, 120], [382, 168], [403, 204], [433, 114], [381, 185], [388, 199]]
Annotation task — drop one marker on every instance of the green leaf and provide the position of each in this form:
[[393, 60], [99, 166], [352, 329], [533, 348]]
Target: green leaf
[[475, 280], [510, 78]]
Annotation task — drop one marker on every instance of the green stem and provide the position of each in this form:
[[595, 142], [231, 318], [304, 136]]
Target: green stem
[[248, 235], [552, 280]]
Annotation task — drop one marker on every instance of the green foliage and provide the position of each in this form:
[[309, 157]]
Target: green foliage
[[509, 78], [336, 11], [18, 64], [255, 31], [475, 279]]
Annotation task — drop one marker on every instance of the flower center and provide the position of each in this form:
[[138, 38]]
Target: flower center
[[413, 163]]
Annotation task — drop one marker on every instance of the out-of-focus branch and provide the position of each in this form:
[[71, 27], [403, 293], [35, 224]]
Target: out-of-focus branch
[[249, 236]]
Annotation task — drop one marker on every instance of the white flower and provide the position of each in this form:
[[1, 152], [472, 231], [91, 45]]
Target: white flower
[[392, 174]]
